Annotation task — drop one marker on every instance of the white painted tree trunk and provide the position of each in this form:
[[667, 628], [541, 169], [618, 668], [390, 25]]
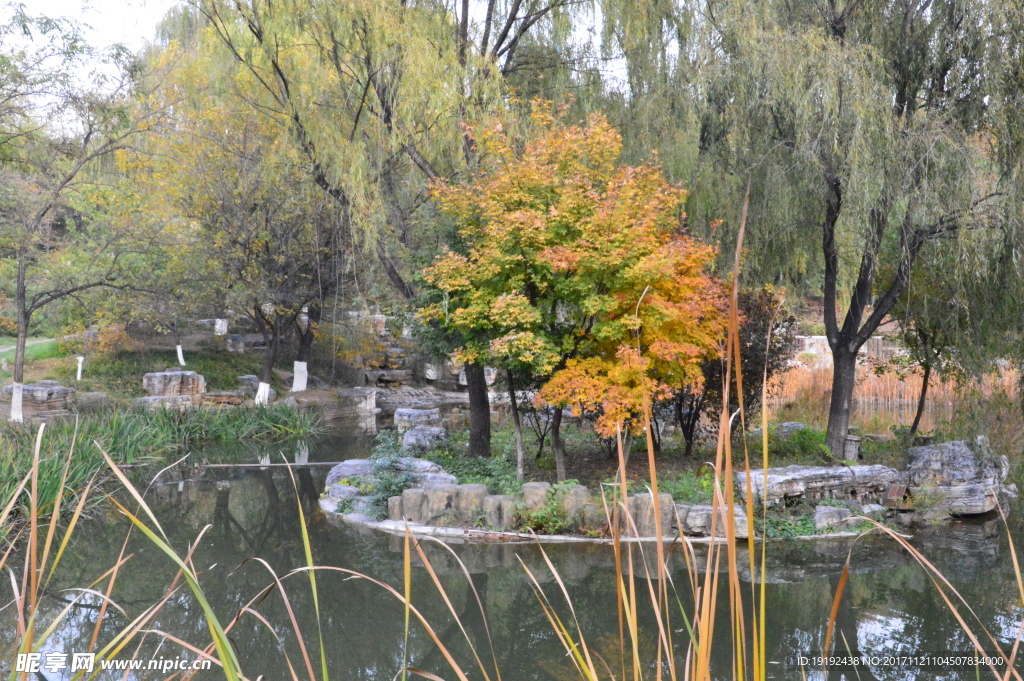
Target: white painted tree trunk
[[17, 416], [181, 355], [300, 377], [302, 453], [220, 327], [78, 377], [263, 394]]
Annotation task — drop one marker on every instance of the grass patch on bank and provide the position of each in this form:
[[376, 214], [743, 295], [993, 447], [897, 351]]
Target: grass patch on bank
[[38, 351], [121, 373]]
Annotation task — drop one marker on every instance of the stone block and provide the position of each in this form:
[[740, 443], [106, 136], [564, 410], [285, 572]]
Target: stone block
[[572, 500], [873, 511], [406, 418], [698, 522], [249, 384], [154, 402], [499, 510], [853, 483], [395, 508], [222, 398], [470, 502], [361, 401], [593, 518], [831, 518], [954, 478], [342, 492], [535, 494], [440, 503], [90, 402], [423, 437], [679, 521], [413, 503], [163, 383], [235, 344], [641, 507]]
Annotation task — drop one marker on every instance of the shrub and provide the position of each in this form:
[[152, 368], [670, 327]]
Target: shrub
[[551, 517]]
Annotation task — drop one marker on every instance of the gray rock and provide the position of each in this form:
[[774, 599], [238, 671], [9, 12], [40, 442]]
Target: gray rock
[[423, 437], [500, 511], [593, 518], [830, 517], [441, 503], [698, 522], [362, 401], [413, 505], [904, 518], [235, 344], [873, 511], [395, 508], [164, 383], [1010, 491], [435, 479], [954, 478], [641, 507], [470, 502], [572, 501], [154, 402], [819, 482], [679, 521], [249, 384], [290, 401], [353, 468], [41, 395], [342, 492], [408, 418], [90, 402], [329, 506], [535, 494]]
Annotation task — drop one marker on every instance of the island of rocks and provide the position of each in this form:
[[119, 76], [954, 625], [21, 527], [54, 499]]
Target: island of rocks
[[942, 482]]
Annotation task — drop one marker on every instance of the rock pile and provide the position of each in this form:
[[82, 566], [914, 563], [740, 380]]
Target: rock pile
[[42, 400], [954, 478]]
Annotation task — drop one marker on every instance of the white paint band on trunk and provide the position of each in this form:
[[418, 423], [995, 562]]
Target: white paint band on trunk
[[300, 377], [17, 416], [263, 393], [80, 361], [220, 327], [181, 355]]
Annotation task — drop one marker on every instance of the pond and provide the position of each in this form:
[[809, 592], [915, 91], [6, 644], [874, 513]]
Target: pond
[[890, 607]]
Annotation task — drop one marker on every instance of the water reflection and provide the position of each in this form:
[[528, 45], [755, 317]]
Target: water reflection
[[890, 605]]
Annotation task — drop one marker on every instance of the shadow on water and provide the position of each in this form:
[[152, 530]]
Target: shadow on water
[[889, 604]]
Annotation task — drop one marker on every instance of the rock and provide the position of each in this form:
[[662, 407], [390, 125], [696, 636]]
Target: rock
[[164, 383], [290, 401], [90, 402], [329, 505], [641, 508], [440, 504], [154, 402], [535, 494], [423, 437], [679, 521], [341, 492], [223, 398], [395, 508], [952, 478], [413, 505], [470, 502], [698, 522], [904, 518], [854, 483], [249, 384], [408, 418], [880, 437], [873, 511], [1010, 491], [830, 517], [572, 500], [431, 372], [499, 510], [235, 344], [353, 468], [593, 518], [361, 400], [41, 395]]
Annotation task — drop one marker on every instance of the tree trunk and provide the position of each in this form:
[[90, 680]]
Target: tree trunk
[[21, 299], [305, 335], [479, 411], [556, 444], [517, 425], [922, 399], [844, 374]]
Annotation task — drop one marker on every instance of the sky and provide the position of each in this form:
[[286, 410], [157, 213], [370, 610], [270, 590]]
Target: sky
[[130, 22]]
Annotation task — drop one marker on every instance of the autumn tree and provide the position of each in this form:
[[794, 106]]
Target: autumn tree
[[766, 337], [564, 256]]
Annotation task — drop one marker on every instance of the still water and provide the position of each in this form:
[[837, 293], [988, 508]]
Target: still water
[[890, 606]]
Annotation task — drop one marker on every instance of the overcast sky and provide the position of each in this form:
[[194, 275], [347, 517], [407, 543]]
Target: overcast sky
[[131, 22]]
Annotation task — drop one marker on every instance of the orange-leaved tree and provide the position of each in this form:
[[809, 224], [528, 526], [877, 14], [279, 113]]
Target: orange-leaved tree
[[563, 257]]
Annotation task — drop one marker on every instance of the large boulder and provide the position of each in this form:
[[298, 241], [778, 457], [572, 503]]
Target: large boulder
[[423, 437], [408, 418], [849, 483], [641, 508], [954, 478], [165, 383], [424, 473], [831, 518], [697, 521]]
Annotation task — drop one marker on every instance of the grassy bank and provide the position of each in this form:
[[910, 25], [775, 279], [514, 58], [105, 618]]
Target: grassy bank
[[135, 436]]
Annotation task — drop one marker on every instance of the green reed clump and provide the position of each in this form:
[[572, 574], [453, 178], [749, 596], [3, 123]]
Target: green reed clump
[[134, 436]]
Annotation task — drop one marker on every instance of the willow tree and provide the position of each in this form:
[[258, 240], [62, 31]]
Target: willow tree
[[870, 130]]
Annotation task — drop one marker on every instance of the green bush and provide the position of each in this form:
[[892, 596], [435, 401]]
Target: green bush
[[551, 517]]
